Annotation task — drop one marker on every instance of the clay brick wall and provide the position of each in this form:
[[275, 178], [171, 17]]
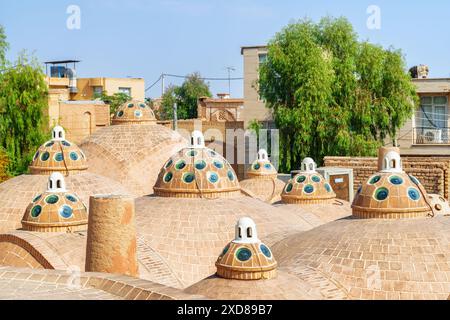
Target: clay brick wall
[[433, 172]]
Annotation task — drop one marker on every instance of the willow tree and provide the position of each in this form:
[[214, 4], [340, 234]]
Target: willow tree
[[23, 103], [331, 94]]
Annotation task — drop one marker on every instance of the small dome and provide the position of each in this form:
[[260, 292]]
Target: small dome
[[391, 193], [58, 154], [197, 172], [55, 210], [308, 186], [134, 112], [261, 167], [246, 257], [439, 205]]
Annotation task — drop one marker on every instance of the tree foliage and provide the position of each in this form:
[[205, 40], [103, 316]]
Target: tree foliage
[[114, 101], [331, 94], [4, 161], [185, 96], [3, 47], [23, 103]]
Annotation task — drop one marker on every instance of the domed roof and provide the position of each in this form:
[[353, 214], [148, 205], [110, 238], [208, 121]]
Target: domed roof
[[246, 257], [197, 172], [134, 112], [308, 186], [58, 154], [55, 210], [391, 193], [261, 167]]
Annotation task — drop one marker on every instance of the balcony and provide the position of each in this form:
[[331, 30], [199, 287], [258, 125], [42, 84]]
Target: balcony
[[431, 136]]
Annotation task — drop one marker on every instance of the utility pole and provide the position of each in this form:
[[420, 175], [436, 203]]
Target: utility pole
[[175, 117], [162, 84], [230, 69]]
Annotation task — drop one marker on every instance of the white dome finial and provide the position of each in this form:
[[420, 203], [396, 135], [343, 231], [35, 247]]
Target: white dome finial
[[246, 231], [56, 183], [392, 162], [58, 133], [262, 155], [197, 139], [308, 165]]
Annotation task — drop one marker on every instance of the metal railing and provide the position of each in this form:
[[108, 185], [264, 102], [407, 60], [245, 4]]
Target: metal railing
[[431, 135]]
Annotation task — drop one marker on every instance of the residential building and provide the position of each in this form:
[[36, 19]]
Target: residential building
[[222, 108]]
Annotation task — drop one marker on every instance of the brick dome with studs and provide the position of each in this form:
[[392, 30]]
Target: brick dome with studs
[[391, 193], [134, 112]]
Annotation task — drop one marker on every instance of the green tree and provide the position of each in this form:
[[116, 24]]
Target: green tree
[[186, 96], [331, 94], [114, 101], [23, 104], [3, 47]]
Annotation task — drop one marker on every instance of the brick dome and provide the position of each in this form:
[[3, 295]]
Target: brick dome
[[134, 112], [391, 193], [308, 186], [261, 167], [197, 172], [55, 210], [58, 155]]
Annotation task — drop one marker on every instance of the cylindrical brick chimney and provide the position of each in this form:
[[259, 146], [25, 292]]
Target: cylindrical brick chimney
[[382, 151], [111, 241]]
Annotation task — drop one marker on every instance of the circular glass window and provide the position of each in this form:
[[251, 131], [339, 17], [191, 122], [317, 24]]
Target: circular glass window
[[138, 113], [243, 254], [167, 177], [49, 144], [308, 189], [142, 105], [45, 156], [301, 179], [328, 187], [414, 180], [374, 179], [200, 164], [265, 250], [71, 198], [180, 165], [65, 143], [256, 166], [120, 114], [212, 153], [36, 211], [289, 187], [65, 211], [413, 194], [130, 105], [213, 177], [37, 197], [381, 194], [59, 157], [225, 250], [268, 166], [218, 164], [315, 178], [188, 177], [191, 153], [396, 180], [52, 199], [359, 190], [168, 164], [74, 156], [36, 155], [230, 175]]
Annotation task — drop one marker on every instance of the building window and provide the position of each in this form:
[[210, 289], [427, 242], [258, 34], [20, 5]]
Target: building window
[[125, 90], [432, 120], [98, 90], [262, 57]]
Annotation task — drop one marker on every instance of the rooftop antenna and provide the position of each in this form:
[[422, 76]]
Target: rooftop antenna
[[230, 69]]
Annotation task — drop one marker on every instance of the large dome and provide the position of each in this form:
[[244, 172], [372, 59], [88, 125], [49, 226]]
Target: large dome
[[131, 154], [197, 172], [134, 112], [263, 183]]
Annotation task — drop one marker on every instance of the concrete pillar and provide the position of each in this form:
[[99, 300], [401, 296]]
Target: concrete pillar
[[382, 152], [111, 241]]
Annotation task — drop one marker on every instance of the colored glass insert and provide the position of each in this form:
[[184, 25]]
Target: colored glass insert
[[289, 187], [191, 153], [256, 166], [396, 180], [49, 144], [37, 197], [328, 187], [138, 113], [230, 175], [142, 105], [168, 176], [225, 250], [265, 251], [168, 164], [213, 177], [315, 178], [36, 155], [268, 166], [188, 177], [243, 254], [71, 198], [218, 164], [200, 165], [130, 105], [414, 180], [374, 179], [36, 211], [413, 194], [359, 190], [301, 179], [59, 157], [45, 156], [120, 114], [180, 165], [74, 156], [52, 199], [381, 194], [65, 211], [65, 143], [212, 153], [308, 189]]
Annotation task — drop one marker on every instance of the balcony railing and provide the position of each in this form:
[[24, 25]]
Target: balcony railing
[[431, 135]]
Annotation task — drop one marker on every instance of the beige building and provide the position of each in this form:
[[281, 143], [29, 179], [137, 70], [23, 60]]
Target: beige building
[[222, 108], [254, 106]]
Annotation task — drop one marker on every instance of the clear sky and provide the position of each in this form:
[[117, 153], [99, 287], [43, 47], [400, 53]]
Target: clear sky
[[138, 38]]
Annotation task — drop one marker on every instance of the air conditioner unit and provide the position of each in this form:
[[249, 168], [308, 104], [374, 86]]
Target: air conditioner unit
[[432, 135]]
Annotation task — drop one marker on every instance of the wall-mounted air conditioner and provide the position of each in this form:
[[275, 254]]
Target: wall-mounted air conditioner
[[432, 135]]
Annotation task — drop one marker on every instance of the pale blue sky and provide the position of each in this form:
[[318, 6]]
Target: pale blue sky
[[144, 38]]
